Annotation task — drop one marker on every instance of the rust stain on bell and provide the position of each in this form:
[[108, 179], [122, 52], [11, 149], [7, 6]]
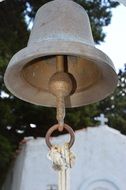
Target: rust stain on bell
[[61, 28]]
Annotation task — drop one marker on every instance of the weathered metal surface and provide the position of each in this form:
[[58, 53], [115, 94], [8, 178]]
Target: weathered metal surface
[[56, 127], [61, 28]]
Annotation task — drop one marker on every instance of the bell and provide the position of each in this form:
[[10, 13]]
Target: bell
[[61, 28]]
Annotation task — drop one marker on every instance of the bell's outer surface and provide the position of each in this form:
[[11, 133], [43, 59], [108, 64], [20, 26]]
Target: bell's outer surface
[[61, 28]]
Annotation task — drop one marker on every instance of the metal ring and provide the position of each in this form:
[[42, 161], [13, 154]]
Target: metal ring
[[54, 128]]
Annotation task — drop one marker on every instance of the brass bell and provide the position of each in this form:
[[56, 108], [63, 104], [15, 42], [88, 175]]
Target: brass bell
[[61, 28]]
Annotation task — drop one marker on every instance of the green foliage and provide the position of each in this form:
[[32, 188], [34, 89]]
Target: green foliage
[[115, 106], [99, 12], [6, 152], [81, 117]]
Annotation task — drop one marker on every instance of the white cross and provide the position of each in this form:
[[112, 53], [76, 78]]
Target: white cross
[[102, 119]]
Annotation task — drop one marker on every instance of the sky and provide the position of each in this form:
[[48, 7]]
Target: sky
[[115, 41]]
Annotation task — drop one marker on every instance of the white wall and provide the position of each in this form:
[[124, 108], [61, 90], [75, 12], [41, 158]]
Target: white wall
[[100, 163]]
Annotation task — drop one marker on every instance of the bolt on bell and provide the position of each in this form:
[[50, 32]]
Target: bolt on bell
[[61, 28]]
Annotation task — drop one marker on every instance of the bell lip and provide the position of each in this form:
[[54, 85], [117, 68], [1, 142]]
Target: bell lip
[[47, 48]]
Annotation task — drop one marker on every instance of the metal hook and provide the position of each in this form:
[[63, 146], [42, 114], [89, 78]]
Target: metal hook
[[56, 127]]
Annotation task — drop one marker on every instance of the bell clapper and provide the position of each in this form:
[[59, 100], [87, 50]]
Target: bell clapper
[[60, 85]]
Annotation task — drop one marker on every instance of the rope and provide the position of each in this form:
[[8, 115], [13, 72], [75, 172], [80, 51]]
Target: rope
[[62, 159]]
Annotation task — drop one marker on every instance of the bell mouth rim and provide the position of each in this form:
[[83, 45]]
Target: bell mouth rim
[[46, 48]]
